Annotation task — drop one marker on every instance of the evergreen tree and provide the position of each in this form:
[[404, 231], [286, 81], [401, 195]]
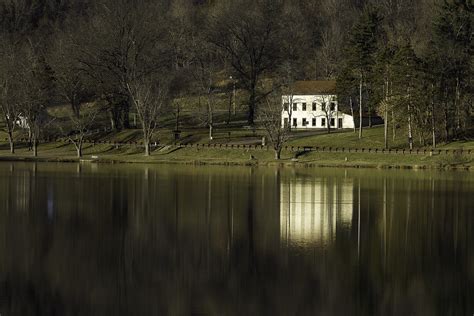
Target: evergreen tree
[[361, 51], [453, 48], [406, 77]]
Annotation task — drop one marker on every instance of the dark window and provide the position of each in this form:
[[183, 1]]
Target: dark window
[[295, 106], [323, 122], [285, 107], [295, 122], [333, 106], [332, 122], [314, 106], [305, 122], [314, 122], [285, 122], [304, 106], [340, 123], [323, 106]]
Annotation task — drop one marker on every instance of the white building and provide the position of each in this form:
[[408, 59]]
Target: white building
[[313, 104]]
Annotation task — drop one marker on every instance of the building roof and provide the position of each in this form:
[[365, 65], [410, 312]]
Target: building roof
[[314, 87]]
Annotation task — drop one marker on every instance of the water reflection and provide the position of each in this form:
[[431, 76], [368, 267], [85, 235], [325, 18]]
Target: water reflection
[[157, 240], [312, 211]]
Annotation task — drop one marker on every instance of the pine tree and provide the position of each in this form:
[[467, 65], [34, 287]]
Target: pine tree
[[383, 81], [406, 77], [453, 50], [361, 51]]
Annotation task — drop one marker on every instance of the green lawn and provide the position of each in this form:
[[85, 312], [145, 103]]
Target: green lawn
[[371, 138], [170, 154]]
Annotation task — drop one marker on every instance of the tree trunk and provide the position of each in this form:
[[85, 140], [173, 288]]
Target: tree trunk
[[35, 147], [360, 107], [176, 126], [229, 112], [352, 113], [290, 111], [394, 127], [146, 139], [457, 110], [146, 142], [446, 122], [79, 148], [386, 115], [290, 114], [446, 114], [277, 154], [125, 114], [11, 142], [251, 106], [433, 128], [386, 128], [370, 118], [30, 139], [410, 132], [210, 132]]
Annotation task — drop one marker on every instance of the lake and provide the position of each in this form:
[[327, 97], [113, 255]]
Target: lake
[[88, 239]]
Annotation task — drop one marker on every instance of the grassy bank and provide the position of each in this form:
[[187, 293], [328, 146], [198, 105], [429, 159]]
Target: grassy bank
[[373, 138], [170, 154]]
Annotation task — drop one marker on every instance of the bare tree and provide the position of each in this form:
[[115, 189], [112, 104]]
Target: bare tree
[[179, 90], [35, 80], [269, 116], [8, 88], [332, 39], [248, 38], [125, 41], [69, 75], [148, 97], [287, 85], [79, 126], [328, 107], [205, 73], [205, 69]]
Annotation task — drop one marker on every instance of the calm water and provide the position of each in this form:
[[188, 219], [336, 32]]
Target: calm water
[[176, 240]]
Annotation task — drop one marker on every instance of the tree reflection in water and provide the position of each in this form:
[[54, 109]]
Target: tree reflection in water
[[167, 240]]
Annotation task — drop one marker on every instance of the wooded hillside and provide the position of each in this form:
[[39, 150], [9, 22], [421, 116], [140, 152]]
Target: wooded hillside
[[410, 62]]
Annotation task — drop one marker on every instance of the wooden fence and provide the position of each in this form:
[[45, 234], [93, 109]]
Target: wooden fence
[[296, 149]]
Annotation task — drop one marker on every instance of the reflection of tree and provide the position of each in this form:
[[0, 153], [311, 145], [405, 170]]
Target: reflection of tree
[[117, 238]]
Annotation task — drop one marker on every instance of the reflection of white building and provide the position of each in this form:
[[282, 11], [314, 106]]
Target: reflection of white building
[[311, 213]]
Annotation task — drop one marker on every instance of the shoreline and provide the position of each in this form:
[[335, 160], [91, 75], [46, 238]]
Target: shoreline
[[249, 163]]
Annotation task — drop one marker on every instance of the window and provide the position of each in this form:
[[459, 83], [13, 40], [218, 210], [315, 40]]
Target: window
[[305, 122], [323, 122], [295, 106], [285, 122], [314, 106], [295, 122], [339, 125], [304, 106], [333, 106], [323, 106], [332, 122], [314, 121], [285, 107]]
